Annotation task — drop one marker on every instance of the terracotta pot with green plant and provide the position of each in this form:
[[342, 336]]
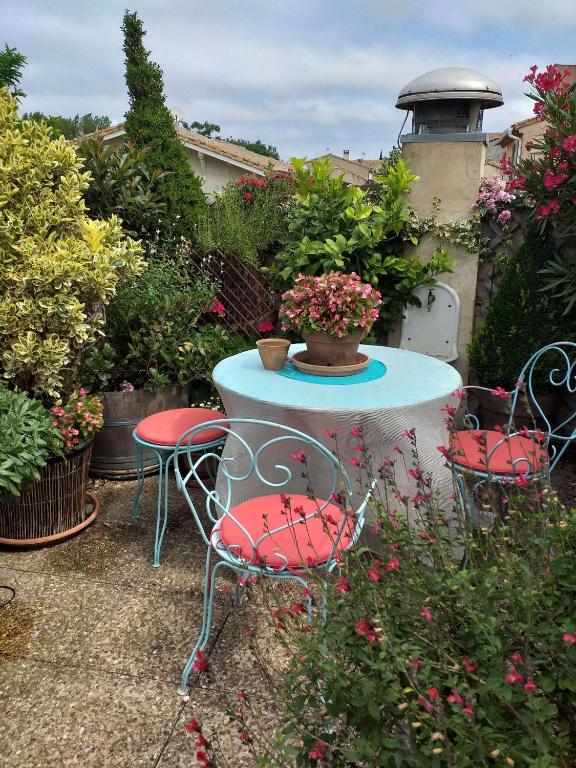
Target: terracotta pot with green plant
[[333, 312], [59, 271]]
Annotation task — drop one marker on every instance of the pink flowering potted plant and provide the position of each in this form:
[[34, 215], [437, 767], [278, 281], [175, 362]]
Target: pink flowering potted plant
[[333, 312]]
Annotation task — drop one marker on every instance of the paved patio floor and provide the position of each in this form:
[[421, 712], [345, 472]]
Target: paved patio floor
[[92, 647]]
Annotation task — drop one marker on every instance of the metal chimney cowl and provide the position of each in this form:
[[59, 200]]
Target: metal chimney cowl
[[449, 101]]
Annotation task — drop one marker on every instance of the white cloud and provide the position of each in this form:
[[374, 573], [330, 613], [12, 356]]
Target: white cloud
[[300, 75]]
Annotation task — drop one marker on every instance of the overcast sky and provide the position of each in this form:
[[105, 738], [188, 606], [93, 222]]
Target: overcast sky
[[304, 75]]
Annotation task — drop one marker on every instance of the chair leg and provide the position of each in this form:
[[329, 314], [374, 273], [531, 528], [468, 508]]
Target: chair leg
[[201, 643], [140, 476], [162, 506]]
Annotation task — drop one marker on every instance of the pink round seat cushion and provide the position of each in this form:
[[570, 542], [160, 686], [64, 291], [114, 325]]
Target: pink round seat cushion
[[469, 453], [166, 427], [303, 544]]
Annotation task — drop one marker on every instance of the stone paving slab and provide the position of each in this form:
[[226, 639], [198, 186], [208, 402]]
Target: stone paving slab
[[81, 717]]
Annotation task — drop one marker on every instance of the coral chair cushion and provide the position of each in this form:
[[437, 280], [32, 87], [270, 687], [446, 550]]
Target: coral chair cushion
[[302, 544], [166, 427], [469, 452]]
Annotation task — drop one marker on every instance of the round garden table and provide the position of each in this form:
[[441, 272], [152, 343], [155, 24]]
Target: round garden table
[[399, 391]]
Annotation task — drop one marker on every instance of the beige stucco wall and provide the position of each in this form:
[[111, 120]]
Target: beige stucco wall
[[450, 171]]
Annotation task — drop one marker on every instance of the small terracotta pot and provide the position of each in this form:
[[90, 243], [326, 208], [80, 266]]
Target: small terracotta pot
[[325, 349], [273, 353]]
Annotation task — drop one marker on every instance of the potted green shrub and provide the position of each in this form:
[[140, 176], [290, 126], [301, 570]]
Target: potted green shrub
[[44, 460], [158, 341], [336, 227], [59, 269]]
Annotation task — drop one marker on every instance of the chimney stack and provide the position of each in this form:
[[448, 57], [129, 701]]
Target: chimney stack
[[346, 154]]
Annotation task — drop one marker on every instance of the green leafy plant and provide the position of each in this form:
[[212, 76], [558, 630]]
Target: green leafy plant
[[121, 184], [520, 318], [12, 63], [58, 267], [29, 438], [335, 227], [70, 127], [157, 332], [248, 217], [150, 124]]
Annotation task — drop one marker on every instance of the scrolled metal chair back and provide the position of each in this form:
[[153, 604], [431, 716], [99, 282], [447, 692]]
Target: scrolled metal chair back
[[558, 362], [277, 477]]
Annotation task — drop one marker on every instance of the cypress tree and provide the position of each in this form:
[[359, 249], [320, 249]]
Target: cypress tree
[[149, 123]]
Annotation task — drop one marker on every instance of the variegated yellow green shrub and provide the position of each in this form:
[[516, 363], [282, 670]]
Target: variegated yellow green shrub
[[58, 268]]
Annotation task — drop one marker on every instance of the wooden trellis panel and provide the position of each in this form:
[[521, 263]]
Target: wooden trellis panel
[[244, 291], [505, 240]]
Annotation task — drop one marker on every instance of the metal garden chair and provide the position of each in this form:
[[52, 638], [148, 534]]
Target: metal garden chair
[[511, 457], [159, 433], [280, 535]]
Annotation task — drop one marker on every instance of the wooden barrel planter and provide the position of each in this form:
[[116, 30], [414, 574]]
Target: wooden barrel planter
[[114, 453], [52, 508]]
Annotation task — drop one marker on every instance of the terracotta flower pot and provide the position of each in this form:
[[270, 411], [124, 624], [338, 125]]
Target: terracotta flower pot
[[273, 353], [325, 349]]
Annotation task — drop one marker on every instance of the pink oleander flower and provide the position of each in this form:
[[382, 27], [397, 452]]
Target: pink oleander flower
[[298, 456], [355, 461], [500, 392], [547, 209], [342, 585], [393, 564], [569, 144], [468, 664], [356, 432], [569, 638], [553, 180]]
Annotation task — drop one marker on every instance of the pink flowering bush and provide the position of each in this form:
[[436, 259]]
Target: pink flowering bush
[[547, 179], [79, 420], [332, 303], [494, 198], [424, 660]]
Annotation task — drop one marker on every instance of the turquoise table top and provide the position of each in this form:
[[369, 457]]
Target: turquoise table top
[[410, 378]]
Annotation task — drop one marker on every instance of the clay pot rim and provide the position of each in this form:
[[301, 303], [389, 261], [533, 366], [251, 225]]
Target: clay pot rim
[[273, 343]]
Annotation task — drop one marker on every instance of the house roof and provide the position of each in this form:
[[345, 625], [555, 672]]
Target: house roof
[[357, 171], [219, 147]]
